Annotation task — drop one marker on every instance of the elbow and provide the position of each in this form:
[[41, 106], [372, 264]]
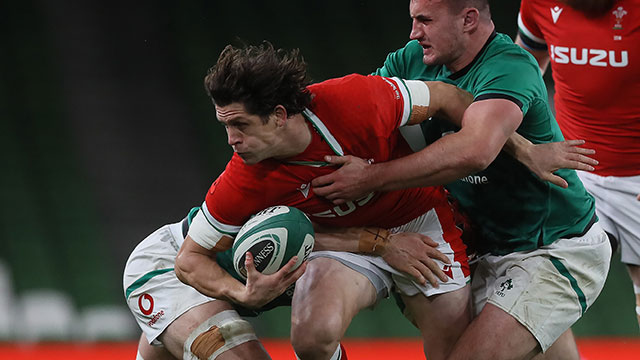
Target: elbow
[[477, 161], [182, 268]]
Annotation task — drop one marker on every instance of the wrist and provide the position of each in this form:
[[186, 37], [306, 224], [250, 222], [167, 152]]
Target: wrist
[[373, 241]]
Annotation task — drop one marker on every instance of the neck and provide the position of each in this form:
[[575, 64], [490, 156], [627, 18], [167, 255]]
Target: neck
[[475, 40], [296, 138]]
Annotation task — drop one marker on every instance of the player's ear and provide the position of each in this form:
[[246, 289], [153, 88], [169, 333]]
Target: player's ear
[[471, 19], [280, 114]]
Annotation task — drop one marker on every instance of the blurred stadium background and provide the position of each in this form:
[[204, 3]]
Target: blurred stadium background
[[107, 134]]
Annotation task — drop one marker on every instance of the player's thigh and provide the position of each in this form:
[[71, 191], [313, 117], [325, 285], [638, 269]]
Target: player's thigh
[[329, 295], [150, 352], [441, 319], [203, 335], [495, 335]]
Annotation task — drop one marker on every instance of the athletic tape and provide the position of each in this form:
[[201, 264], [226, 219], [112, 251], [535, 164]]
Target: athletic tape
[[636, 289], [229, 325]]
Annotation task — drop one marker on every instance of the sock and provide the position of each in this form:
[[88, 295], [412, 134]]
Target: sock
[[339, 354]]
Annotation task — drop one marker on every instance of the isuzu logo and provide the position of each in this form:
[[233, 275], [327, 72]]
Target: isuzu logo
[[593, 57]]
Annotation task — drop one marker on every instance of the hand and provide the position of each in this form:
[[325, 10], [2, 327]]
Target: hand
[[545, 159], [349, 182], [414, 254], [261, 289]]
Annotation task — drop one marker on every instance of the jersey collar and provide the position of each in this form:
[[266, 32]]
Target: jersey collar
[[460, 73]]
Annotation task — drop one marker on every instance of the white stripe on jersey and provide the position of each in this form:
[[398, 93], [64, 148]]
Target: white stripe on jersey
[[324, 132], [406, 98], [206, 231], [529, 34]]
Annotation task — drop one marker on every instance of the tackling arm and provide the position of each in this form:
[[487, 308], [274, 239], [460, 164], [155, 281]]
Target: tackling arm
[[410, 253]]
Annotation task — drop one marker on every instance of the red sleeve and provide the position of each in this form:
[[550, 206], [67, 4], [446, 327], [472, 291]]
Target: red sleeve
[[232, 198], [526, 19]]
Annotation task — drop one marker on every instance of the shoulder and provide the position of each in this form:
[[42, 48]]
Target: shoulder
[[237, 194], [505, 58]]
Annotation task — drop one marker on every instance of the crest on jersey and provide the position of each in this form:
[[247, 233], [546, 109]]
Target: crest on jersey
[[555, 13], [619, 13]]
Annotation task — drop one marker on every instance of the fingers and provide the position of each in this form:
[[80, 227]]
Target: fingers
[[249, 265], [556, 180], [288, 266], [321, 183], [337, 160], [573, 145], [293, 276], [432, 272], [587, 160], [574, 142], [435, 254]]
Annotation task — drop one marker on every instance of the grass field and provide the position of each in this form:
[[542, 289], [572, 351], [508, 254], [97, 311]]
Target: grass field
[[357, 349]]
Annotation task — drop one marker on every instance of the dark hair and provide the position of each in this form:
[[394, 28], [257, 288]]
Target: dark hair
[[259, 77], [455, 6]]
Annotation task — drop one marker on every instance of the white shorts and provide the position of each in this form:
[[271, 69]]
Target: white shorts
[[385, 278], [618, 210], [154, 294], [548, 289]]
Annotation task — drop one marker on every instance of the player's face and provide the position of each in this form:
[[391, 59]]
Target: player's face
[[437, 31], [249, 136]]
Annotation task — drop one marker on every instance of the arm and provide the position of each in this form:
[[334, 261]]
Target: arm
[[544, 159], [486, 126], [410, 253], [542, 56], [196, 266]]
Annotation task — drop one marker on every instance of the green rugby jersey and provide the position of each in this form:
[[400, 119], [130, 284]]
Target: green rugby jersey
[[514, 209]]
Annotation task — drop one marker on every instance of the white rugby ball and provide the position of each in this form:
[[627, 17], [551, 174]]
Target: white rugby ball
[[273, 236]]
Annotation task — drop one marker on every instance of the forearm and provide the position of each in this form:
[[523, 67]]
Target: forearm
[[205, 275], [449, 158], [366, 240], [518, 147]]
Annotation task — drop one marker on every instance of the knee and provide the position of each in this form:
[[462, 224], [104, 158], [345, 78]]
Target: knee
[[316, 338]]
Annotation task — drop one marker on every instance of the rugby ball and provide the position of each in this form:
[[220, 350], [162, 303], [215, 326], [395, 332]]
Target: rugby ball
[[273, 236]]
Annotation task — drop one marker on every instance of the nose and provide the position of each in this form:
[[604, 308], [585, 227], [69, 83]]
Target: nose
[[233, 136], [416, 31]]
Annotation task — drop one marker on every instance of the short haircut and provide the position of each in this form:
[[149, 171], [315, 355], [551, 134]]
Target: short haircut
[[260, 77], [455, 6]]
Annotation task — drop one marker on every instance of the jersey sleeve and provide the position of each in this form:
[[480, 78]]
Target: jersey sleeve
[[398, 63], [222, 211], [516, 78], [528, 29]]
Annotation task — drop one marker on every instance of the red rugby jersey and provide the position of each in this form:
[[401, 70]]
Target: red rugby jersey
[[596, 69], [354, 115]]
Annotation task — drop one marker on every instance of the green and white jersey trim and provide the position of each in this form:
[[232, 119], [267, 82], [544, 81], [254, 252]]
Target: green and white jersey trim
[[206, 231], [323, 131]]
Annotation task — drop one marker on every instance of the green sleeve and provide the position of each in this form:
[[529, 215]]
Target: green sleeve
[[515, 76], [399, 61]]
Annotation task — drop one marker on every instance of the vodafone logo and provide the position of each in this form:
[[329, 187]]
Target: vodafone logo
[[145, 303]]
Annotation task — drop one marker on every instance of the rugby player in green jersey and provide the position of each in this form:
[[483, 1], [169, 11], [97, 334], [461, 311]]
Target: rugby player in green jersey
[[543, 256]]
